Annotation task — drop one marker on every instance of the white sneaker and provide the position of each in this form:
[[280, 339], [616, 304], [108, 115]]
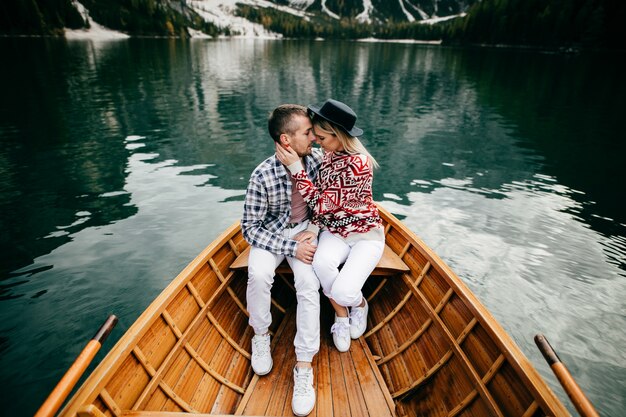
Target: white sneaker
[[358, 320], [303, 399], [341, 333], [261, 355]]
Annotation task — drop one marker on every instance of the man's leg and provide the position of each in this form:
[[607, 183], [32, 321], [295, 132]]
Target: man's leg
[[307, 340], [261, 267]]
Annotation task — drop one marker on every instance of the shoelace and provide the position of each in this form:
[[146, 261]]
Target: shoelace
[[301, 385], [260, 347], [341, 328]]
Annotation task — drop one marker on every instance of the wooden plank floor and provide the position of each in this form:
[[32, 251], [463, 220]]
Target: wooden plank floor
[[347, 384]]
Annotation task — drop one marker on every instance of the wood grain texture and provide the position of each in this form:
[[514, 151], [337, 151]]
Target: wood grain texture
[[430, 348]]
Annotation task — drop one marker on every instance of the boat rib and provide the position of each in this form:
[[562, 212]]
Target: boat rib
[[431, 348]]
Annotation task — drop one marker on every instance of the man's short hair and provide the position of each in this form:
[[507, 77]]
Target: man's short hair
[[281, 119]]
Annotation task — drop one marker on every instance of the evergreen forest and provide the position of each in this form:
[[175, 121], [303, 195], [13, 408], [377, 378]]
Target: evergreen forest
[[534, 23]]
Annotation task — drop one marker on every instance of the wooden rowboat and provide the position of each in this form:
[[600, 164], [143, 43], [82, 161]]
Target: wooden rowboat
[[431, 348]]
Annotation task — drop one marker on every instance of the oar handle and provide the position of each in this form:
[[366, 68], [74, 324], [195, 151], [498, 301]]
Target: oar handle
[[578, 397], [73, 374]]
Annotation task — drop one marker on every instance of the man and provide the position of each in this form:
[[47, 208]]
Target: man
[[275, 223]]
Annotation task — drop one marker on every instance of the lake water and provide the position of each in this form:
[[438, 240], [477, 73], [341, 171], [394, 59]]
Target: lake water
[[121, 160]]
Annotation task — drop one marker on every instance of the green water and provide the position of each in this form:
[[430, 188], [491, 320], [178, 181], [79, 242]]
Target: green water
[[121, 160]]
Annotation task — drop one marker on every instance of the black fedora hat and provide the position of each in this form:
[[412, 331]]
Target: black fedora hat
[[338, 113]]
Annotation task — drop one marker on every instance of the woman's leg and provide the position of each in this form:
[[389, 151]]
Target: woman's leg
[[340, 310], [331, 252], [362, 259], [364, 256]]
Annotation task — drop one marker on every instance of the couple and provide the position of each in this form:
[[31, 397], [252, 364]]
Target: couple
[[292, 197]]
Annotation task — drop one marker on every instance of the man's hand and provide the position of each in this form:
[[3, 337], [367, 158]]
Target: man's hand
[[304, 236], [305, 251]]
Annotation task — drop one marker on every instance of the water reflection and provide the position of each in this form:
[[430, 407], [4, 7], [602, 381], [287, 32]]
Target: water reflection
[[537, 268], [121, 160], [115, 268]]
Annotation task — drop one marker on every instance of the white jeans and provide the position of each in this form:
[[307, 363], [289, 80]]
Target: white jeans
[[360, 258], [262, 265]]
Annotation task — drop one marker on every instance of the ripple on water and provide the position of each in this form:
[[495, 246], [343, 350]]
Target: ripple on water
[[535, 264]]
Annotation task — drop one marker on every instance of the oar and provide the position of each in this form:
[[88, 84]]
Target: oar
[[65, 385], [582, 404]]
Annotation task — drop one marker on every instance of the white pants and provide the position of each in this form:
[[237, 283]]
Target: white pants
[[262, 265], [360, 258]]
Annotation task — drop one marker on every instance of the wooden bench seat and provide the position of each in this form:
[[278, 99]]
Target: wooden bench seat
[[389, 264]]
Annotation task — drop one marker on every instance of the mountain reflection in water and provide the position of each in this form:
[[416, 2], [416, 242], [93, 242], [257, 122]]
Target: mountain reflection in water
[[121, 160]]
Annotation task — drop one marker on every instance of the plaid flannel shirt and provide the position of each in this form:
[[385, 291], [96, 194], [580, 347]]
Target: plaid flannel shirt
[[267, 208]]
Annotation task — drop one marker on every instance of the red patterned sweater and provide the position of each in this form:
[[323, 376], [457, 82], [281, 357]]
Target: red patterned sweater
[[341, 199]]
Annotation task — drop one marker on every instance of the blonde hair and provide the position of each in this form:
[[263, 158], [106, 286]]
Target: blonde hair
[[351, 144]]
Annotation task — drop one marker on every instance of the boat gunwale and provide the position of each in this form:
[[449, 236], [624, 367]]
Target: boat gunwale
[[95, 382], [505, 343], [100, 376]]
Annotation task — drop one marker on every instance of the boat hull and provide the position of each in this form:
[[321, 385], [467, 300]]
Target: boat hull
[[430, 349]]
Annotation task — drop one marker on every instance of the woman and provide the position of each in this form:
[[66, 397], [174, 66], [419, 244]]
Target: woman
[[343, 207]]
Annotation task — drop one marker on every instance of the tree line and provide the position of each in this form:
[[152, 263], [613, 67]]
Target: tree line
[[551, 23], [582, 23], [38, 17], [324, 27], [135, 17], [540, 23]]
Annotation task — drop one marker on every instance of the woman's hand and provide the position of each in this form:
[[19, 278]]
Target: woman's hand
[[286, 154]]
